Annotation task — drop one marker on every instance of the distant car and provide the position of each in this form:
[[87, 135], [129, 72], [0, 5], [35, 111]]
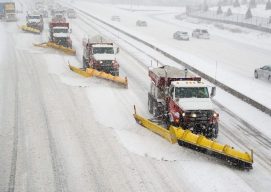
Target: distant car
[[181, 35], [263, 72], [115, 18], [71, 13], [201, 33], [44, 13], [141, 23]]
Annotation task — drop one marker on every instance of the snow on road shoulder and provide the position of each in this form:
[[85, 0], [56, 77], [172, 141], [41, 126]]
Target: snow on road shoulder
[[3, 41], [252, 116]]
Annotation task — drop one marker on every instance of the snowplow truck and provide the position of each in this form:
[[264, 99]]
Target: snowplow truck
[[100, 56], [60, 34], [35, 22], [71, 14], [179, 98], [9, 12]]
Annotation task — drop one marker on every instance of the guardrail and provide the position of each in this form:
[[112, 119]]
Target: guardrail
[[253, 23], [198, 72]]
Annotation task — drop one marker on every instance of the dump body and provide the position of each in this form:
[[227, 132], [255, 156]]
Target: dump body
[[60, 34], [100, 56], [181, 99], [9, 11], [9, 7]]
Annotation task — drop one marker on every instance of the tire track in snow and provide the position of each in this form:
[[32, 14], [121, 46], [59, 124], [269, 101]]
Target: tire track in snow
[[57, 166], [12, 177]]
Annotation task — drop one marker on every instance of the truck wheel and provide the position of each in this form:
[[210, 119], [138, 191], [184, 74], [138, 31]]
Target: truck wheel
[[215, 131], [84, 62], [256, 75], [116, 73], [155, 109], [150, 105]]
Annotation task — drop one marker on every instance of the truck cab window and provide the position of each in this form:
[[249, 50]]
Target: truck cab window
[[103, 50], [190, 92]]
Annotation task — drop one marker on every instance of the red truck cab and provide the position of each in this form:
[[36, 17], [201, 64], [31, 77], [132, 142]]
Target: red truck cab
[[182, 100]]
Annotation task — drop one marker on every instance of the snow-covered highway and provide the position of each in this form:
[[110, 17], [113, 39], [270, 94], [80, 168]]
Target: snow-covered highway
[[61, 132]]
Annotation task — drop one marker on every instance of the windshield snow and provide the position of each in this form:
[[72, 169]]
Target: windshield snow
[[33, 17], [103, 50], [61, 30], [190, 92]]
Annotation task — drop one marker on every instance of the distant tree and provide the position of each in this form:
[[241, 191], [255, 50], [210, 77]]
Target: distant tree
[[252, 4], [248, 14], [224, 2], [188, 10], [268, 5], [229, 12], [261, 1], [244, 2], [205, 6], [219, 10], [236, 3]]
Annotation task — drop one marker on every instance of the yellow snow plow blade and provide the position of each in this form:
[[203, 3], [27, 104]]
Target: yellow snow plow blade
[[199, 143], [92, 72], [30, 29], [79, 71], [169, 135], [66, 50]]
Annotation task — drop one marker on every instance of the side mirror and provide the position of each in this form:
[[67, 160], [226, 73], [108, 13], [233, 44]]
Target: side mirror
[[70, 30], [166, 90], [117, 50], [213, 92]]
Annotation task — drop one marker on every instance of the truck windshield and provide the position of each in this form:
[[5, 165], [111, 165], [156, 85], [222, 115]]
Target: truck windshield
[[190, 92], [64, 30], [103, 50], [33, 17]]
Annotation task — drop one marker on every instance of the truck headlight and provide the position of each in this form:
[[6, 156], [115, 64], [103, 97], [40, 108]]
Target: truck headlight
[[177, 115], [215, 114], [101, 62], [183, 114], [194, 115]]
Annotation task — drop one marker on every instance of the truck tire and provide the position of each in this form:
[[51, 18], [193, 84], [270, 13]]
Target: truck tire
[[215, 131], [150, 105], [256, 75], [85, 65], [115, 73]]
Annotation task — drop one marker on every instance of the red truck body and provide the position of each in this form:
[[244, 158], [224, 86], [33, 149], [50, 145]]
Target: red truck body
[[169, 99], [100, 56], [58, 35]]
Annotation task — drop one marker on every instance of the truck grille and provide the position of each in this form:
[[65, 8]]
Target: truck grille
[[200, 116], [106, 63]]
